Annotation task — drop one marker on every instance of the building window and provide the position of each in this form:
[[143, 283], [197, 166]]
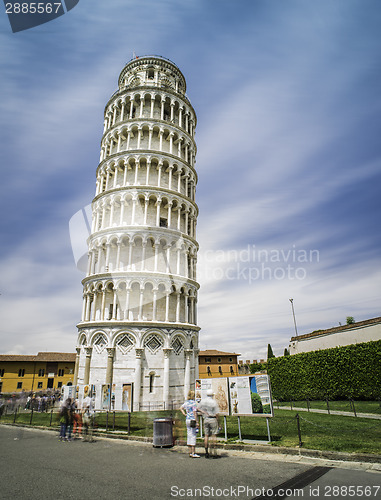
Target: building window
[[61, 372], [151, 381], [110, 311], [218, 360], [209, 371], [208, 360], [2, 371], [39, 385], [21, 372], [19, 385], [232, 370], [59, 385], [231, 360], [41, 372], [220, 370]]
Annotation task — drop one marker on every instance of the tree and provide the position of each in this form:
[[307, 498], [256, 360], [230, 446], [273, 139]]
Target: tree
[[257, 367], [350, 320], [270, 353], [256, 403]]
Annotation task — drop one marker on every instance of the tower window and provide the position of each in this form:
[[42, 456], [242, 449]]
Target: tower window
[[150, 74], [151, 382], [163, 222], [110, 311]]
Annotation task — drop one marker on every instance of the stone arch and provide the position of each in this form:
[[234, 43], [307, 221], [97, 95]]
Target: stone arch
[[99, 341], [153, 340], [124, 341]]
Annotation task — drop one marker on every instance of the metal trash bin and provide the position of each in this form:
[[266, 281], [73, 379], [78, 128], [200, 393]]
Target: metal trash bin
[[162, 432]]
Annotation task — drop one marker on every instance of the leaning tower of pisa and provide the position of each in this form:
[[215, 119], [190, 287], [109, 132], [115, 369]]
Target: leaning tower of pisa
[[138, 334]]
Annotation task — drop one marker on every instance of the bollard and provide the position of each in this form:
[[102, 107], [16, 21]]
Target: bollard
[[14, 416], [299, 433], [328, 407], [31, 417], [106, 420], [308, 404], [353, 407], [129, 423], [268, 429], [113, 421], [51, 417]]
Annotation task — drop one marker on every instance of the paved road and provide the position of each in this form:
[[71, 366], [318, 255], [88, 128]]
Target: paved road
[[35, 465]]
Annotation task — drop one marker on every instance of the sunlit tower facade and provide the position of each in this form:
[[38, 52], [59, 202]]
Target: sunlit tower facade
[[139, 317]]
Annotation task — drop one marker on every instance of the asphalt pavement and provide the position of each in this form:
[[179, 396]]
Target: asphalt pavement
[[36, 465]]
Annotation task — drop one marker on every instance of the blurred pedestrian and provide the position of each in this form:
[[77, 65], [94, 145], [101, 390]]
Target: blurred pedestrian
[[189, 410], [210, 409], [87, 418], [65, 419], [77, 419]]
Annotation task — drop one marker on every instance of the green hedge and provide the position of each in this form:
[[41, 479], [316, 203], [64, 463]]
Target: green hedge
[[338, 373]]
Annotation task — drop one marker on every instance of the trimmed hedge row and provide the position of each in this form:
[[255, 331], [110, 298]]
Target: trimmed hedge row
[[338, 373]]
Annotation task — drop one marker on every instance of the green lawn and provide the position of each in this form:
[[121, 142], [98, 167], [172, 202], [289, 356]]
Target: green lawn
[[318, 431]]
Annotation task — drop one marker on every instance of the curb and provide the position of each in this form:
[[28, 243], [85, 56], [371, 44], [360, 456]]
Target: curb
[[260, 448]]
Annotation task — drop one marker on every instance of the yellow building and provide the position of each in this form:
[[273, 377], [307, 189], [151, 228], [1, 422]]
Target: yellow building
[[47, 370], [213, 363]]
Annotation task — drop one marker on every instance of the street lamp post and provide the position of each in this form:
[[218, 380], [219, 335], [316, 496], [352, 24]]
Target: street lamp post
[[293, 315]]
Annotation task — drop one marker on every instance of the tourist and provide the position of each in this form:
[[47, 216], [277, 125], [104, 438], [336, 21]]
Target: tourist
[[65, 419], [77, 419], [189, 410], [209, 408], [87, 418]]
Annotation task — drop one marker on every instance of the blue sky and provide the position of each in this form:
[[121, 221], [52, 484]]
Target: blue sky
[[288, 100]]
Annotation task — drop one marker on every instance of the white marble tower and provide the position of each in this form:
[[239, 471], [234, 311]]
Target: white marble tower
[[139, 318]]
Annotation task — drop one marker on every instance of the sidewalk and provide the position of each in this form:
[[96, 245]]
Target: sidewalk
[[331, 412]]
